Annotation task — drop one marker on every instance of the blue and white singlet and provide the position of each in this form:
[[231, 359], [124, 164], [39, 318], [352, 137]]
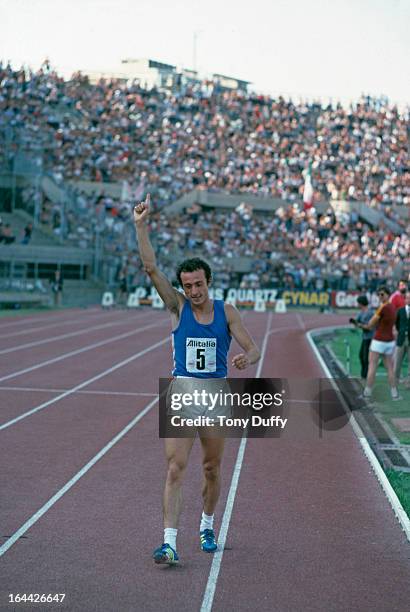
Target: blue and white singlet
[[201, 350]]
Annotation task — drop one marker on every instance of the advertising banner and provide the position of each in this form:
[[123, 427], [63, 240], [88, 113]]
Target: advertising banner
[[348, 299], [247, 298]]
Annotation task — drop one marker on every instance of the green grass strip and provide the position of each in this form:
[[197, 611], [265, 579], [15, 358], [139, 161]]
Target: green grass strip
[[400, 481], [341, 339]]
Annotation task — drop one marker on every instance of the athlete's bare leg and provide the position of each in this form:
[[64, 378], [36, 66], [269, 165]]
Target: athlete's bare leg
[[389, 365], [371, 374], [212, 451], [177, 452]]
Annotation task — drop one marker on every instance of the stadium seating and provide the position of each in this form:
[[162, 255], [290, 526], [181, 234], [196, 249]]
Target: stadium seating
[[101, 146]]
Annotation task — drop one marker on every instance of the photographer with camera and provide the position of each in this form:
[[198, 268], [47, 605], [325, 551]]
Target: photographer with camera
[[362, 319]]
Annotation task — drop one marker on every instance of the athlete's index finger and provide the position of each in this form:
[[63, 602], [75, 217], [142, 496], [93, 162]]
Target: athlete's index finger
[[148, 199]]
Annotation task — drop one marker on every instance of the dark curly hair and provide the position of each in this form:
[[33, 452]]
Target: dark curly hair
[[191, 265]]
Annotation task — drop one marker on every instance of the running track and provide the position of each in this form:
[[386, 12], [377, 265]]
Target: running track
[[306, 524]]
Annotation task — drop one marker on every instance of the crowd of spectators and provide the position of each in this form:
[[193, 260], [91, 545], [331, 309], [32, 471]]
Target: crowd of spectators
[[201, 136], [292, 248]]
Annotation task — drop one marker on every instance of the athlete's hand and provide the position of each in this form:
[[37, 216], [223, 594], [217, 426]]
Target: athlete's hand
[[240, 362], [141, 210]]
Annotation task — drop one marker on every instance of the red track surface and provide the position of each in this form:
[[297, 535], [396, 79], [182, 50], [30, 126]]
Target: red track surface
[[310, 529]]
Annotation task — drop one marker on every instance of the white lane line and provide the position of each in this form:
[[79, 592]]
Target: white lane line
[[45, 390], [23, 319], [88, 347], [300, 321], [35, 517], [280, 329], [83, 384], [265, 344], [223, 533], [368, 451], [59, 324], [20, 347]]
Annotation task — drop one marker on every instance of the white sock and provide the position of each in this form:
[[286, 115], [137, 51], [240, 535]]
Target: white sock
[[394, 392], [367, 391], [207, 521], [170, 537]]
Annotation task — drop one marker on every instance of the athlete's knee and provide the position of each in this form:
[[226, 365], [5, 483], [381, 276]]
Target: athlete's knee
[[176, 469], [211, 469]]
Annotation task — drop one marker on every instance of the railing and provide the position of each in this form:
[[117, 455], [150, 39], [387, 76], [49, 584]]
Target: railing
[[45, 254], [267, 204], [18, 284]]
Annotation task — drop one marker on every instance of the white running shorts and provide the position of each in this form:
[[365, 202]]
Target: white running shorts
[[384, 348]]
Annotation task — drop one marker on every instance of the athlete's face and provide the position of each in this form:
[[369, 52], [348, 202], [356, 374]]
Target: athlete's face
[[195, 286], [402, 287]]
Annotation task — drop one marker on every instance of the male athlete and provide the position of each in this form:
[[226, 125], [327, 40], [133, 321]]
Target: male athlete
[[196, 320]]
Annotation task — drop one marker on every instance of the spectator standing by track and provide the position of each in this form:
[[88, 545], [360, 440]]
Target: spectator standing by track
[[403, 338], [363, 319], [398, 301], [398, 297], [383, 343]]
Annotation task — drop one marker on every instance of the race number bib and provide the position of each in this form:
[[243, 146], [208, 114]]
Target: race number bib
[[200, 355]]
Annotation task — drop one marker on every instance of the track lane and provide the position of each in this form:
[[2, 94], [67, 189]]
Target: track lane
[[53, 446], [19, 320], [29, 351], [93, 537], [84, 384], [55, 427], [78, 376], [96, 542], [38, 329], [91, 326], [319, 517], [46, 371], [147, 454]]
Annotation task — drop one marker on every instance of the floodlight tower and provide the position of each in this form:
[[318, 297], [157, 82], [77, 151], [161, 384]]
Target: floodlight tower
[[194, 49]]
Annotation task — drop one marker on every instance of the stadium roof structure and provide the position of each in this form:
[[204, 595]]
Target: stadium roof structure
[[190, 73], [231, 82], [149, 63], [149, 72]]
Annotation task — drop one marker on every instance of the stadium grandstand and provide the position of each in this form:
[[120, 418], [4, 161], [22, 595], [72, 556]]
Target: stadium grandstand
[[226, 170]]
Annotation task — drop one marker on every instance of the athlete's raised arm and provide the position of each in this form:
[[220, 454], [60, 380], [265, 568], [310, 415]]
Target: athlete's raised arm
[[243, 338], [171, 297]]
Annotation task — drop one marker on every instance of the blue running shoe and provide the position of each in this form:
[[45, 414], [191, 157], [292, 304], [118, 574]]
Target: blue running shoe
[[208, 542], [165, 554]]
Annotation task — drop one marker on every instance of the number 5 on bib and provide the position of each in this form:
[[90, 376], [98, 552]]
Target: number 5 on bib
[[200, 355]]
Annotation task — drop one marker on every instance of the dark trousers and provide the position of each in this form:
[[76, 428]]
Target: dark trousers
[[364, 357]]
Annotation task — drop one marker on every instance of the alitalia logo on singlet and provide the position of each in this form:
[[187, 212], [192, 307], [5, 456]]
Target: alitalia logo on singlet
[[200, 343]]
